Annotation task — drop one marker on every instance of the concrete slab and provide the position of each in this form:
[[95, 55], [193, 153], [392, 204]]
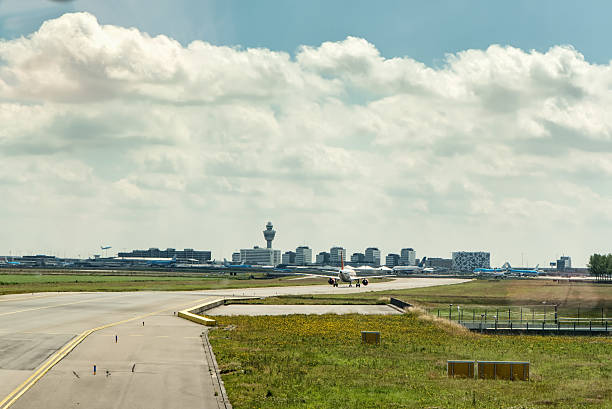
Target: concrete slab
[[170, 370], [27, 351], [10, 379], [255, 309], [69, 314]]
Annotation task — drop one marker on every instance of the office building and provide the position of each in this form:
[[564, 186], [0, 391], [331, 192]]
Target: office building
[[322, 258], [372, 256], [467, 261], [358, 258], [303, 256], [336, 255], [564, 263], [261, 256], [236, 258], [436, 262], [181, 255], [392, 260], [407, 257], [288, 257]]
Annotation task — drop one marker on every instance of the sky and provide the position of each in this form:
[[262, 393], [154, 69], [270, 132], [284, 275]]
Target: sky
[[441, 126]]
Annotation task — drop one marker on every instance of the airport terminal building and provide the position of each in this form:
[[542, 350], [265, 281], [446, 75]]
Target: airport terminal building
[[261, 256], [186, 254]]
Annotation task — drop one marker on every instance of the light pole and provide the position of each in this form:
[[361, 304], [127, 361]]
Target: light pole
[[450, 312]]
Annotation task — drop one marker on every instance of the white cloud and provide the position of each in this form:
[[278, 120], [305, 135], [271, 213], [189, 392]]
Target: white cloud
[[124, 137]]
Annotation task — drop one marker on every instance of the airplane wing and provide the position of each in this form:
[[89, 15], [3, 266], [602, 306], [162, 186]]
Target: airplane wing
[[335, 277], [378, 276]]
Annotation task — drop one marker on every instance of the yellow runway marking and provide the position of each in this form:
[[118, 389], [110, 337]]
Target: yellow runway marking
[[65, 350], [60, 305]]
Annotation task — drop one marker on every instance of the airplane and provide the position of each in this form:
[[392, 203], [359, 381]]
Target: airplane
[[507, 269], [502, 270], [346, 274], [149, 260], [11, 263], [419, 268], [105, 247], [535, 270]]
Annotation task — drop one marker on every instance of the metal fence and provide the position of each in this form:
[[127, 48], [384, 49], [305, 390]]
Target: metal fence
[[528, 319]]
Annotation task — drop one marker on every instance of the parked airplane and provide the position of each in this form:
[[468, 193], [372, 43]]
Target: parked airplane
[[346, 274], [535, 270], [419, 268], [507, 269], [149, 260], [11, 263], [503, 269]]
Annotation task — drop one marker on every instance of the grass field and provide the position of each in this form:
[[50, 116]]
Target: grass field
[[539, 296], [30, 283], [318, 362]]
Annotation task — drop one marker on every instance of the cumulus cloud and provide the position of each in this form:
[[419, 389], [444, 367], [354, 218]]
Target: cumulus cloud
[[107, 131]]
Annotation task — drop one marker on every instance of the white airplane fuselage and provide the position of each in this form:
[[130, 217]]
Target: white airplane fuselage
[[346, 276]]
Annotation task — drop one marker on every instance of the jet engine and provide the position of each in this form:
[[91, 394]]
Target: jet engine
[[364, 281], [331, 281]]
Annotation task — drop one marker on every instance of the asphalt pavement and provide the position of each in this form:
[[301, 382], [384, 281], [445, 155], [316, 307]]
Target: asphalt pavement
[[171, 367]]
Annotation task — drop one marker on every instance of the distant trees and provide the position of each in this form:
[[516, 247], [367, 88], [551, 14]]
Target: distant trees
[[600, 266]]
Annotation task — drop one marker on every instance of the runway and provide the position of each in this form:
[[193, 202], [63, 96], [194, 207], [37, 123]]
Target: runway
[[35, 326]]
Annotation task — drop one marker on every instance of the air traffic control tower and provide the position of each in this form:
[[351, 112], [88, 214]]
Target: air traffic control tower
[[269, 234]]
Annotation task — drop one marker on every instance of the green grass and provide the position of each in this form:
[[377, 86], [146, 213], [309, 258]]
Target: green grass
[[536, 298], [31, 283], [318, 362]]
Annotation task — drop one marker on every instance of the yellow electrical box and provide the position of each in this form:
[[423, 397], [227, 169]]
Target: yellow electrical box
[[460, 369], [507, 370], [370, 337]]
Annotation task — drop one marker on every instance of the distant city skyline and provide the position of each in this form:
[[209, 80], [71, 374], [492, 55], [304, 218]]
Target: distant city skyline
[[438, 128]]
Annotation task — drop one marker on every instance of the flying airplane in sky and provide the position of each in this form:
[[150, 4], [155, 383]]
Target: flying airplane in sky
[[346, 274]]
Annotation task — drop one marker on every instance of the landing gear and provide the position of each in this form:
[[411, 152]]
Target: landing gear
[[357, 284], [350, 284]]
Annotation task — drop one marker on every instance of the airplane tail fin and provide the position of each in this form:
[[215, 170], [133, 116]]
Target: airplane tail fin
[[422, 262], [536, 267], [506, 266]]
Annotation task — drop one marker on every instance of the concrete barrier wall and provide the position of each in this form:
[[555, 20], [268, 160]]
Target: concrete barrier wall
[[194, 313], [399, 303], [198, 309], [199, 319]]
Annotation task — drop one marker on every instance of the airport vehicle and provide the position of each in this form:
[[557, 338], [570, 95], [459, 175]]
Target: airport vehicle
[[346, 274]]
